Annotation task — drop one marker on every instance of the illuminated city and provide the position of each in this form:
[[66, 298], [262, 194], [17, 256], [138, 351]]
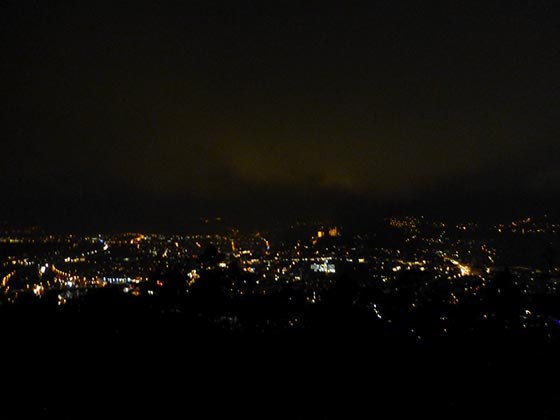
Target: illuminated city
[[449, 263], [411, 280], [294, 210]]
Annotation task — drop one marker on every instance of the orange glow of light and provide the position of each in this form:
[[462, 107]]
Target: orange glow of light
[[333, 231]]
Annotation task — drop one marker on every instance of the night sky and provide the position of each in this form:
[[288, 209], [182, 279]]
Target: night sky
[[149, 115]]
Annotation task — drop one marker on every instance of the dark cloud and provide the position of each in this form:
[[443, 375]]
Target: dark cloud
[[269, 110]]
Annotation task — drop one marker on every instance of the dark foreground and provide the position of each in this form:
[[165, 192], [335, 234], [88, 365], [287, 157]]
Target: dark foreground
[[109, 361]]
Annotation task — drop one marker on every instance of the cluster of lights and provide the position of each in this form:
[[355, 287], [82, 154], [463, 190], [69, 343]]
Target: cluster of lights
[[7, 278], [323, 267]]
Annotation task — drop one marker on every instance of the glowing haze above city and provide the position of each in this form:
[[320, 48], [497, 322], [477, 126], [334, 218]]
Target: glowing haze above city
[[149, 115]]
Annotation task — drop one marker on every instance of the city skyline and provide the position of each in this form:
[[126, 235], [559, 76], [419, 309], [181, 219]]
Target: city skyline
[[309, 320]]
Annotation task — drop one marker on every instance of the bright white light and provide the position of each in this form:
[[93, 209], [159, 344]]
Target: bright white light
[[323, 268]]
